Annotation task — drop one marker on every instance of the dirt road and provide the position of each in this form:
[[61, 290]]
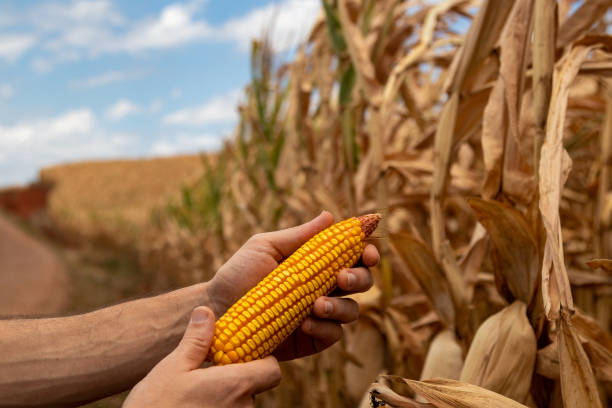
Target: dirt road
[[33, 280]]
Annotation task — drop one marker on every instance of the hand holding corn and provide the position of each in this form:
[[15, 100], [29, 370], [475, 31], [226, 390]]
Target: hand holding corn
[[265, 318], [178, 378]]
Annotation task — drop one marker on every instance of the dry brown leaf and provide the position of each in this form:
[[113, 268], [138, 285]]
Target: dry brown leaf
[[423, 265], [472, 260], [381, 392], [554, 169], [547, 362], [445, 393], [507, 170], [426, 37], [581, 20], [515, 255], [604, 264], [360, 54], [443, 141], [479, 41], [588, 328], [454, 276], [578, 384]]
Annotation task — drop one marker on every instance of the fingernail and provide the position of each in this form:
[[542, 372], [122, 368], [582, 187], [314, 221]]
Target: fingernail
[[199, 316], [351, 281], [329, 308]]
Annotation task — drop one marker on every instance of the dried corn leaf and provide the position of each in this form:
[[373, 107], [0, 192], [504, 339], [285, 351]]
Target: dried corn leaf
[[479, 41], [588, 327], [443, 141], [472, 260], [578, 384], [454, 276], [581, 20], [547, 361], [380, 393], [554, 169], [428, 272], [416, 53], [603, 264], [360, 55], [445, 393], [515, 255], [507, 170]]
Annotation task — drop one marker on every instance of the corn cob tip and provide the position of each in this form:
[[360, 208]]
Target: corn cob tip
[[369, 223]]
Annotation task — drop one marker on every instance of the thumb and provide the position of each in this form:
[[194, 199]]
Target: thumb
[[194, 346], [288, 240]]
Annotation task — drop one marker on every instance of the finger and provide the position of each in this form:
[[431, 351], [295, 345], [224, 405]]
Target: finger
[[194, 346], [370, 256], [354, 280], [256, 376], [343, 310], [289, 240], [324, 333]]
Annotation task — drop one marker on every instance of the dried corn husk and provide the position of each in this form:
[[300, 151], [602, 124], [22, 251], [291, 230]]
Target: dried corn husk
[[366, 344], [444, 393], [502, 355], [444, 357]]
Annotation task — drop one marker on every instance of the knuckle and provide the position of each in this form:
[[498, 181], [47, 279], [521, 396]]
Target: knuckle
[[256, 238]]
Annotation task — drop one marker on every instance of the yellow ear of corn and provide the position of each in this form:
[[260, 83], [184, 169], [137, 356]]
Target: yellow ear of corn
[[266, 315]]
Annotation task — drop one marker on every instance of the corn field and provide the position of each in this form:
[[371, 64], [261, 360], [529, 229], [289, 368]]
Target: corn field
[[482, 132]]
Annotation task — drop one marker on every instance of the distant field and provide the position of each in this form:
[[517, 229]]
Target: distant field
[[116, 195]]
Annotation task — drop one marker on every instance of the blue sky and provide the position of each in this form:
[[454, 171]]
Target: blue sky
[[91, 79]]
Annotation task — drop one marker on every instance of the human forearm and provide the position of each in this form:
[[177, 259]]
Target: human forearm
[[71, 360]]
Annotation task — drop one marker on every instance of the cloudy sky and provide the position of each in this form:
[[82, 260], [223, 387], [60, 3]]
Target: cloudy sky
[[85, 79]]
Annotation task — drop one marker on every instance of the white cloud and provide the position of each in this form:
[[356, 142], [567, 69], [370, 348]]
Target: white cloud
[[54, 16], [122, 108], [287, 24], [78, 121], [31, 144], [81, 28], [219, 109], [6, 91], [12, 46], [106, 78], [44, 64], [173, 26], [186, 144], [91, 28]]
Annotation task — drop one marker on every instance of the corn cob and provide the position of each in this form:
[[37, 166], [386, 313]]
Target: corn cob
[[266, 315]]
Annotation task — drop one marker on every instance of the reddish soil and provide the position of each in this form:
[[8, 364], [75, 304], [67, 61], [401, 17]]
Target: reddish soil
[[25, 201], [33, 279]]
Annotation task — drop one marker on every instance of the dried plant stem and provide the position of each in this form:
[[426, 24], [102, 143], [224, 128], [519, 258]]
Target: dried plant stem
[[543, 63]]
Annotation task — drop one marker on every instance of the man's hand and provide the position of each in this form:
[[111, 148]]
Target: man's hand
[[264, 252], [178, 380]]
